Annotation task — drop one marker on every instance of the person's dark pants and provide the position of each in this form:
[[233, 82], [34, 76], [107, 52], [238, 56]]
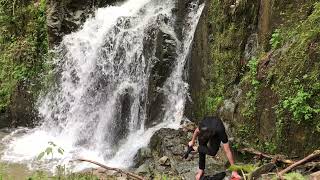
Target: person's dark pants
[[204, 149]]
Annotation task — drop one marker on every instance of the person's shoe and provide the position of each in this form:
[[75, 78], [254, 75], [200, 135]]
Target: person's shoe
[[218, 176], [186, 154]]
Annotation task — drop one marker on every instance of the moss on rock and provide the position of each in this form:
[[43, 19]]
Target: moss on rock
[[24, 49], [278, 105]]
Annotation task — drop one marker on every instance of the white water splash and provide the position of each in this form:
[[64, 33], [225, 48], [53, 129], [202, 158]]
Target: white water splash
[[102, 72]]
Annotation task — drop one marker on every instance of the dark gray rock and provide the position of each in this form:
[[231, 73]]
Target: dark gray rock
[[142, 155], [143, 169], [198, 66], [66, 16], [21, 111], [166, 53]]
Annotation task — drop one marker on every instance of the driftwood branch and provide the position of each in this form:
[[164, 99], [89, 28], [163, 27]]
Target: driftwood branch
[[135, 176], [275, 158], [315, 154], [309, 166]]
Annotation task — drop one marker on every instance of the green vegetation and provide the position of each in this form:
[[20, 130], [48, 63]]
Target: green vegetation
[[224, 70], [299, 106], [250, 106], [62, 174], [50, 150], [294, 176], [24, 46], [290, 74], [245, 169], [248, 169], [275, 39], [296, 75]]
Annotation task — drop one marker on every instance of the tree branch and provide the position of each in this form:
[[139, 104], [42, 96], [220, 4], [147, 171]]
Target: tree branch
[[276, 158], [135, 176], [315, 154]]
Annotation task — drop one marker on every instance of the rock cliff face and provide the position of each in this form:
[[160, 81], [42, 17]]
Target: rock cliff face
[[66, 16], [250, 64]]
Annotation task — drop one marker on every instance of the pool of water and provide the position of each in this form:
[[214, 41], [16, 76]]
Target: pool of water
[[12, 171]]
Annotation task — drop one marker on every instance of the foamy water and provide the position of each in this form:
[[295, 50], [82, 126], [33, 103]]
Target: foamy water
[[103, 72]]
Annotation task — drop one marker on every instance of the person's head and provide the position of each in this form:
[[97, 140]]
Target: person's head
[[206, 131]]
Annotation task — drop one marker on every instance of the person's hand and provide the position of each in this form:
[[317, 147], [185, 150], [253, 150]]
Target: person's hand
[[191, 143], [235, 175]]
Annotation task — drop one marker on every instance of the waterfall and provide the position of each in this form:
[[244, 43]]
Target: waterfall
[[108, 99]]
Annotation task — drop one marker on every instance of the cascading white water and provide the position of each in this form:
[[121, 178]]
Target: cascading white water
[[98, 108]]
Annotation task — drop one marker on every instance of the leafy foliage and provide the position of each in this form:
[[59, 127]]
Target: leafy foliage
[[275, 39], [251, 96], [246, 169], [24, 46], [226, 46], [293, 75], [50, 150], [299, 106], [297, 74]]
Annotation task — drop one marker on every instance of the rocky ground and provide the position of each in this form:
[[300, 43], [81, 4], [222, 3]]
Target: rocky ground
[[163, 158]]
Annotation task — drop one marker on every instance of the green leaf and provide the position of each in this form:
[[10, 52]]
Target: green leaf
[[246, 167], [40, 156], [48, 150], [60, 150], [52, 144]]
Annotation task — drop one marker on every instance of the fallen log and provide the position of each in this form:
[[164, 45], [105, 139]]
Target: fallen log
[[274, 158], [135, 176], [315, 154]]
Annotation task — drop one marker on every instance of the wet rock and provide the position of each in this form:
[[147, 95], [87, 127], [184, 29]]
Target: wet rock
[[143, 169], [189, 127], [251, 47], [197, 66], [22, 111], [164, 161], [142, 155], [121, 120], [229, 109], [66, 16], [165, 47]]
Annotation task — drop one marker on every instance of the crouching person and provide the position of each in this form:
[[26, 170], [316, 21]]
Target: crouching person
[[210, 133]]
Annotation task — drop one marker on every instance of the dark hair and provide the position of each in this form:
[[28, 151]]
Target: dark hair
[[205, 130]]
